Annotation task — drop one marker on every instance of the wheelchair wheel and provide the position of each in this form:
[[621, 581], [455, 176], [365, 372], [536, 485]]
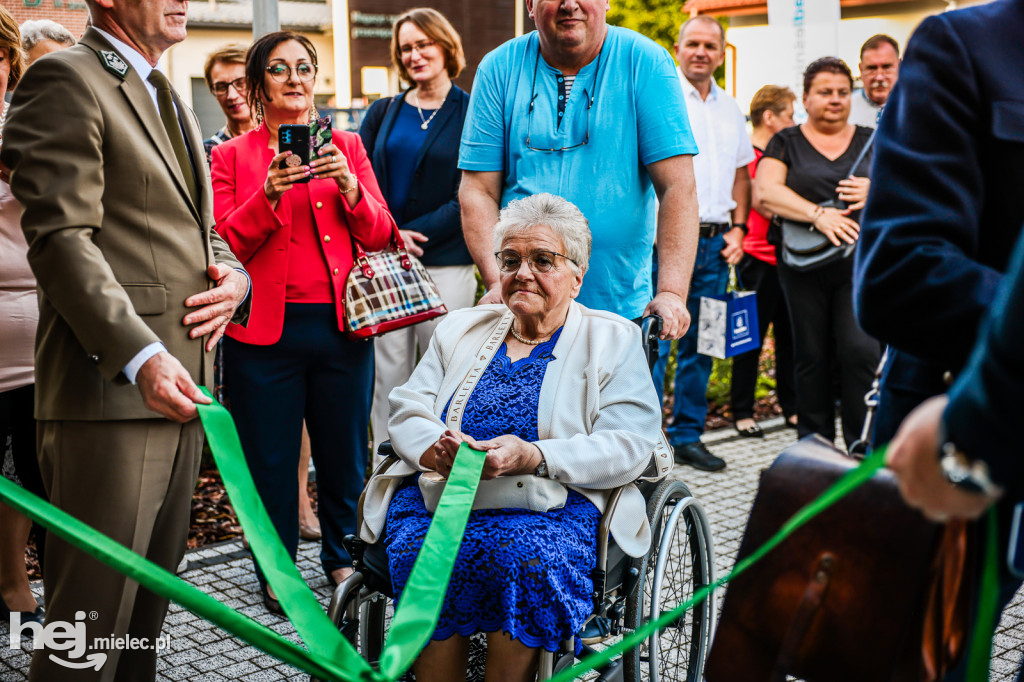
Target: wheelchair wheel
[[681, 561]]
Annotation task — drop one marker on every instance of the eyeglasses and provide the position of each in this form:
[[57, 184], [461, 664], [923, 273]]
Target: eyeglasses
[[420, 47], [539, 261], [533, 99], [220, 88], [304, 71]]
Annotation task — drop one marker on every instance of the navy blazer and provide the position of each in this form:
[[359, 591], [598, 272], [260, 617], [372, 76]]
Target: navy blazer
[[988, 398], [433, 204], [947, 199]]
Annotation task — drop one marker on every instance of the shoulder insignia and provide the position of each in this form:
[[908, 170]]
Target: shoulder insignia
[[113, 63]]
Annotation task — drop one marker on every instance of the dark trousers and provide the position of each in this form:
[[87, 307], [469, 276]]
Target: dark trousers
[[820, 305], [756, 275], [16, 421], [314, 373]]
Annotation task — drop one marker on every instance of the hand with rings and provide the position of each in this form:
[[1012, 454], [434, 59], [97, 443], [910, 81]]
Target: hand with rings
[[333, 164]]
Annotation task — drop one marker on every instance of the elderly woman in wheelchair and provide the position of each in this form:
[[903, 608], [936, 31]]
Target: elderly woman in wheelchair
[[561, 399]]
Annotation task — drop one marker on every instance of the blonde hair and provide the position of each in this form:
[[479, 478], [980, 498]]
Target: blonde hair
[[438, 29], [773, 98]]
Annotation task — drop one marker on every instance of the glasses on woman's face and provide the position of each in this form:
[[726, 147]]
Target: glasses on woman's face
[[539, 261], [281, 72], [420, 47], [220, 88]]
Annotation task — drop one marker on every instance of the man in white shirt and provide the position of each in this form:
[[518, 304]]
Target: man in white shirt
[[879, 70], [723, 199]]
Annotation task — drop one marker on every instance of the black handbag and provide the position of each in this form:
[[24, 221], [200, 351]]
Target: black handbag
[[803, 247]]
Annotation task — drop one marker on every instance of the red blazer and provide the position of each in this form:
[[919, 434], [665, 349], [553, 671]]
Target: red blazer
[[260, 236]]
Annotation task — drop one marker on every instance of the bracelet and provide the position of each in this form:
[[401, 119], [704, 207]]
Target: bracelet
[[355, 183], [818, 211]]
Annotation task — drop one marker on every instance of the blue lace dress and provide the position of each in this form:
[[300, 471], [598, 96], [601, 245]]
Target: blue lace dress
[[520, 572]]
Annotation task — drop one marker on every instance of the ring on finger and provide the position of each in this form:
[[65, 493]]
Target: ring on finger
[[334, 159]]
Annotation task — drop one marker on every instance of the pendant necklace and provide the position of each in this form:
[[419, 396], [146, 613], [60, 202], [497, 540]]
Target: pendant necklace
[[426, 122]]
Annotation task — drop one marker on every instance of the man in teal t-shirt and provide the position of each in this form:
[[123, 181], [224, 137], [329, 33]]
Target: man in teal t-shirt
[[594, 114]]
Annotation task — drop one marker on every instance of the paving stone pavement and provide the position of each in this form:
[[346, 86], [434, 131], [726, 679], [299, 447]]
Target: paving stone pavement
[[200, 652]]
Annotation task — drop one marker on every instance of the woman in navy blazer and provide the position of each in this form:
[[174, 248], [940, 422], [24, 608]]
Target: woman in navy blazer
[[413, 143], [293, 361]]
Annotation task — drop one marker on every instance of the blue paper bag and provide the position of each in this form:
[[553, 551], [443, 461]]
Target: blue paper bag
[[728, 324]]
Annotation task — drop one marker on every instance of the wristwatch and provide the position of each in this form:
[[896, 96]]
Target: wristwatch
[[742, 226], [970, 475], [542, 468]]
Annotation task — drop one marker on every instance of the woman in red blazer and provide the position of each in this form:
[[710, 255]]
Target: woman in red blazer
[[293, 361]]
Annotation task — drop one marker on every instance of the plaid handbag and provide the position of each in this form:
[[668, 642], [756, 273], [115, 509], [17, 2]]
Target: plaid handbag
[[388, 290]]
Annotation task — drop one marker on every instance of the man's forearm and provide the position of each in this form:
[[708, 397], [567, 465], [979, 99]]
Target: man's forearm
[[741, 195], [479, 216], [678, 228]]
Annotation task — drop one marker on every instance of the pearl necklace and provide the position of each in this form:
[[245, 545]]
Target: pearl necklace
[[527, 341], [426, 122]]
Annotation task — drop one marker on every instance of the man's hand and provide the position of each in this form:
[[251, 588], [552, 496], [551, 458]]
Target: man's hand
[[410, 237], [733, 251], [913, 456], [493, 295], [216, 306], [672, 309], [167, 388]]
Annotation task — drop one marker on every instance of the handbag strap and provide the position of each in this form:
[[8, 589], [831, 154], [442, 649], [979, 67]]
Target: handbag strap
[[860, 157], [481, 359], [859, 448], [397, 244]]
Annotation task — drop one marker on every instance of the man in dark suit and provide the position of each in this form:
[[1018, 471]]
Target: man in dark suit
[[944, 211], [946, 204], [135, 290]]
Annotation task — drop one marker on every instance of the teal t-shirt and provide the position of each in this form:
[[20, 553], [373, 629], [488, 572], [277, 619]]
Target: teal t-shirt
[[638, 117]]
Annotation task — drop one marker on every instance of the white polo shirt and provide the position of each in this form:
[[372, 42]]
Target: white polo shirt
[[720, 130]]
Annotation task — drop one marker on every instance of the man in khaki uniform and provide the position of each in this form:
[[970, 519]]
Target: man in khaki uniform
[[135, 290]]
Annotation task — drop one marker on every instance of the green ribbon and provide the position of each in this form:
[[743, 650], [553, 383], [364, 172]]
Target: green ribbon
[[330, 655]]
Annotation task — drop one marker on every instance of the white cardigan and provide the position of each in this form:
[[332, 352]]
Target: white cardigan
[[598, 416]]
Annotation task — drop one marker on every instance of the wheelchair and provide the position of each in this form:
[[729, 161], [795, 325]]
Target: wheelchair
[[627, 591]]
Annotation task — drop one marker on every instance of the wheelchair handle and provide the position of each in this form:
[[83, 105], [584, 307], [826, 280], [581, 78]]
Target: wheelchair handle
[[650, 328]]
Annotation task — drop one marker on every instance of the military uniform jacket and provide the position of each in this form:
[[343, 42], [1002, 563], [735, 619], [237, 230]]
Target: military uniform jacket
[[115, 241]]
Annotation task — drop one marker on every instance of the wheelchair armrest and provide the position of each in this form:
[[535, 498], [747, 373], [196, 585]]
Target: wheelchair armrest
[[385, 450]]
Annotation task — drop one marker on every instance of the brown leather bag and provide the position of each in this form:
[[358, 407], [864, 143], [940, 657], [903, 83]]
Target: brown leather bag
[[867, 590]]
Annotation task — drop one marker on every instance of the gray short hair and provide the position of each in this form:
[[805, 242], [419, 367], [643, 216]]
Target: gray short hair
[[34, 30], [563, 217]]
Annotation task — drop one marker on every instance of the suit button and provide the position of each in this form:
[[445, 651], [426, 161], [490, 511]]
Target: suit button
[[948, 378], [95, 359], [319, 204], [327, 237], [335, 271]]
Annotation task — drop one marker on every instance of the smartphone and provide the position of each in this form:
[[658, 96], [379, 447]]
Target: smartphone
[[1015, 557], [294, 139]]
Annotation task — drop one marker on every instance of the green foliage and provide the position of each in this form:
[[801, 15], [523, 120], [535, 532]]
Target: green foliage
[[659, 20]]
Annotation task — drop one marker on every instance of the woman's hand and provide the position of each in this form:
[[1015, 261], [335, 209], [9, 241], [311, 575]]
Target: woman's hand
[[835, 225], [443, 451], [854, 191], [333, 164], [507, 456], [280, 180], [410, 237]]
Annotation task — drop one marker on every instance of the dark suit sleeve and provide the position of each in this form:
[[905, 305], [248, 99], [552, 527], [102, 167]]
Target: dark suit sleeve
[[370, 126], [62, 195], [988, 398], [915, 259]]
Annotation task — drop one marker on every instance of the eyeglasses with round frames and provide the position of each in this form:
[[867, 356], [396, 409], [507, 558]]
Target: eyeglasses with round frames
[[220, 88], [304, 71], [539, 261], [420, 47]]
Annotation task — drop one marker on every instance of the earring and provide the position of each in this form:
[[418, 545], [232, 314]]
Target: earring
[[259, 113], [314, 115]]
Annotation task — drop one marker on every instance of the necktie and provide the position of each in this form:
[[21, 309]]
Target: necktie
[[173, 129]]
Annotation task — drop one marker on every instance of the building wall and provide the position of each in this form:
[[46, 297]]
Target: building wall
[[482, 26], [71, 14], [758, 59]]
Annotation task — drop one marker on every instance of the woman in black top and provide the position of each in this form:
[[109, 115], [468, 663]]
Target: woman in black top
[[412, 140], [803, 167]]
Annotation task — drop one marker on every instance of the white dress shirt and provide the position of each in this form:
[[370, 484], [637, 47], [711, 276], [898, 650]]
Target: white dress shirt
[[720, 130]]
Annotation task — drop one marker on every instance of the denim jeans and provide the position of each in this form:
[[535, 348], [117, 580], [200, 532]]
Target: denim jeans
[[710, 278]]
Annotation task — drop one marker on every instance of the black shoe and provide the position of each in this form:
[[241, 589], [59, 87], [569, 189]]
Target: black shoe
[[698, 456], [271, 603], [754, 431], [37, 616]]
